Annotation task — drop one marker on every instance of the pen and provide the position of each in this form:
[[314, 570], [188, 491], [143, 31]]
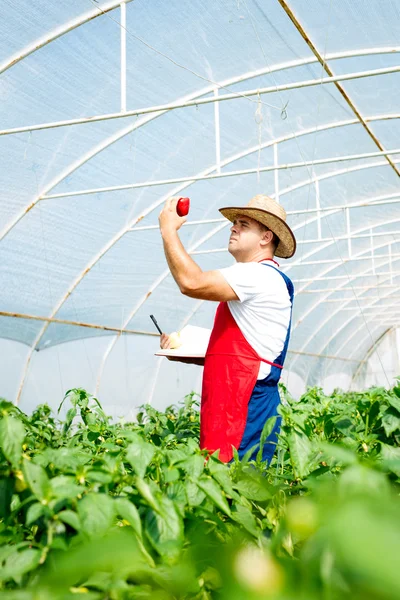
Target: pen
[[155, 323]]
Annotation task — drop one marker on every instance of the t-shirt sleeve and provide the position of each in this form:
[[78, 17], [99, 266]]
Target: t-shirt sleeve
[[244, 279]]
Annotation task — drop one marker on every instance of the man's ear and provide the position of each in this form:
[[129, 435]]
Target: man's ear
[[267, 238]]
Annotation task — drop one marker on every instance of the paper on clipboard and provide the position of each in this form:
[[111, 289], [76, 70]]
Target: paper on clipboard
[[194, 343]]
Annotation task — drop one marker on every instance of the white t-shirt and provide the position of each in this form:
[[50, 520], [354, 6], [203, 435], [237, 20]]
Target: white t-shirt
[[262, 312]]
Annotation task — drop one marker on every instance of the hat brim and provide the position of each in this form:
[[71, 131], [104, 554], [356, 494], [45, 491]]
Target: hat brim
[[287, 242]]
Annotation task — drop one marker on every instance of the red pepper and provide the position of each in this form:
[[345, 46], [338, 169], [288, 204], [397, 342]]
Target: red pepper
[[182, 207]]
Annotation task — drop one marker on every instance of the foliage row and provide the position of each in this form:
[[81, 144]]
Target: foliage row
[[135, 510]]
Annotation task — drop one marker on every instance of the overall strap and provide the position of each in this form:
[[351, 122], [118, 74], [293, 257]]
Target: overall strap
[[288, 282], [290, 288]]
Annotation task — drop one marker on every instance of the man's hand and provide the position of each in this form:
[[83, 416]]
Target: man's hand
[[165, 344], [169, 219]]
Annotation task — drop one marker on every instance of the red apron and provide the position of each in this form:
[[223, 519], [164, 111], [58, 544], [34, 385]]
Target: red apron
[[227, 385]]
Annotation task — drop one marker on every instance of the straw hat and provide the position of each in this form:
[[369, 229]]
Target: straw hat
[[267, 211]]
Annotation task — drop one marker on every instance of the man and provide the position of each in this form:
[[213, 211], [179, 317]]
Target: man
[[251, 329]]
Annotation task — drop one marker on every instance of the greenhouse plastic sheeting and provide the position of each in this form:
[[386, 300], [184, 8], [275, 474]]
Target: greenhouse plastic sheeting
[[109, 108]]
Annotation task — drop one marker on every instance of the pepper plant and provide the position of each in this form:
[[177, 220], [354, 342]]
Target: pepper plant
[[118, 510]]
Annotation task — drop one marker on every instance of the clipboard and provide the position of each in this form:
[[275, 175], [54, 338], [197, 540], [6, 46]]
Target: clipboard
[[194, 343]]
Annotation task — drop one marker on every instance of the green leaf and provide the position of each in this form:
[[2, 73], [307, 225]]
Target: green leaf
[[65, 487], [362, 481], [300, 452], [396, 390], [334, 454], [19, 563], [99, 476], [177, 493], [164, 529], [245, 459], [194, 494], [220, 473], [35, 511], [245, 518], [96, 513], [235, 455], [64, 459], [394, 401], [140, 453], [6, 492], [177, 455], [390, 421], [12, 435], [36, 478], [145, 491], [71, 414], [391, 458], [344, 424], [214, 492], [128, 511], [194, 465], [70, 518], [252, 485], [266, 432]]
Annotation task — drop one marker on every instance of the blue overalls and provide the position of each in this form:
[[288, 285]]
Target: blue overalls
[[235, 405]]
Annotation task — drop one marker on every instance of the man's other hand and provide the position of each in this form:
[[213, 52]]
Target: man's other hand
[[169, 218], [165, 344]]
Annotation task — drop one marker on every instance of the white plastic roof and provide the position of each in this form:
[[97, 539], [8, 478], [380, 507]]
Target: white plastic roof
[[109, 108]]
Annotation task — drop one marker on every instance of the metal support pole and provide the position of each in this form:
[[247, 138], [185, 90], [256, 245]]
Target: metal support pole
[[372, 251], [318, 208], [235, 173], [198, 102], [123, 56], [217, 134], [348, 229], [276, 172]]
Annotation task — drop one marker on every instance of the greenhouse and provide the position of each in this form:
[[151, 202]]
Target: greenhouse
[[110, 108]]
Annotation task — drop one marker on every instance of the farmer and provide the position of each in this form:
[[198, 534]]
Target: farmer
[[250, 336]]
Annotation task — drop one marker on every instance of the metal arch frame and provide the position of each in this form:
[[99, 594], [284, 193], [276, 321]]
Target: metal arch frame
[[362, 325], [165, 274], [126, 131], [373, 305], [73, 24], [392, 308], [122, 133], [211, 100], [159, 280], [353, 288], [379, 324], [356, 276], [119, 235], [345, 282], [132, 313], [115, 5], [324, 63], [59, 32], [237, 156], [333, 291], [218, 175], [332, 314], [359, 362], [370, 352], [320, 240]]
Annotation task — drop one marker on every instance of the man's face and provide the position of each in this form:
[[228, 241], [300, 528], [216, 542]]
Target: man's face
[[245, 238]]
